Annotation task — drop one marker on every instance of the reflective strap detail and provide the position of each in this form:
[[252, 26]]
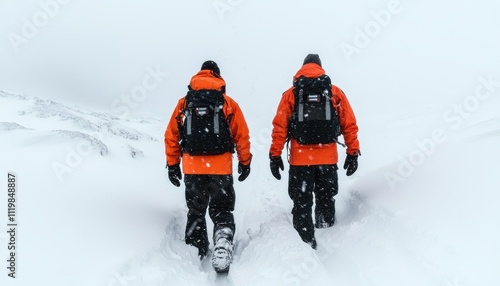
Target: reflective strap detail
[[301, 105], [328, 106], [188, 122], [216, 120]]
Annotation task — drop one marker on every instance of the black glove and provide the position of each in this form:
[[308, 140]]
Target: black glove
[[244, 170], [351, 164], [276, 164], [174, 174]]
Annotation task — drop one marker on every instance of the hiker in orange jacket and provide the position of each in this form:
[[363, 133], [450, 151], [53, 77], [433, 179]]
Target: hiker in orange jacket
[[206, 156], [313, 167]]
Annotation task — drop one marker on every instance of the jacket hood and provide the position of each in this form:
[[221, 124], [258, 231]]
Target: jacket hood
[[309, 70], [207, 79]]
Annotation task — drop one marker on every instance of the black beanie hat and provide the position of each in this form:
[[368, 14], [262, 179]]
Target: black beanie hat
[[210, 65], [312, 58]]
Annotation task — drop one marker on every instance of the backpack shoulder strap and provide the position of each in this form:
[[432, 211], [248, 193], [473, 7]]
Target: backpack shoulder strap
[[336, 100]]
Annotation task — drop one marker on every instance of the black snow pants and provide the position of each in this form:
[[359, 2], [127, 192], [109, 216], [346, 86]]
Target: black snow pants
[[215, 192], [322, 180]]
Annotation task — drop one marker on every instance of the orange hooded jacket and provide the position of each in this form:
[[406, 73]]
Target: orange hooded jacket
[[209, 164], [313, 154]]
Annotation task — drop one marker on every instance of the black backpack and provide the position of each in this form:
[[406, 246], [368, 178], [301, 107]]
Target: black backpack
[[314, 119], [205, 130]]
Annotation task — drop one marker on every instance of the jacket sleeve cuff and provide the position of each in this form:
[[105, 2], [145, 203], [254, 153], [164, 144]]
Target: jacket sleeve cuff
[[248, 161], [354, 152]]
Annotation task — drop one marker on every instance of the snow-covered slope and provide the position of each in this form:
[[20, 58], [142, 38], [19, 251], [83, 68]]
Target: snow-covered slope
[[95, 206]]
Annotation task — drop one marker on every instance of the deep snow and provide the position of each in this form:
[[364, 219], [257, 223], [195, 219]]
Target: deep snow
[[95, 206], [113, 218]]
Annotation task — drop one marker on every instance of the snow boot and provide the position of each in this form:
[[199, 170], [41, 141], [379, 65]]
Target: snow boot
[[322, 223], [203, 252], [222, 255], [325, 214], [313, 244]]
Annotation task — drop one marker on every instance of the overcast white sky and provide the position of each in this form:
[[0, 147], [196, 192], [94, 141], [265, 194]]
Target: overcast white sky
[[91, 52]]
